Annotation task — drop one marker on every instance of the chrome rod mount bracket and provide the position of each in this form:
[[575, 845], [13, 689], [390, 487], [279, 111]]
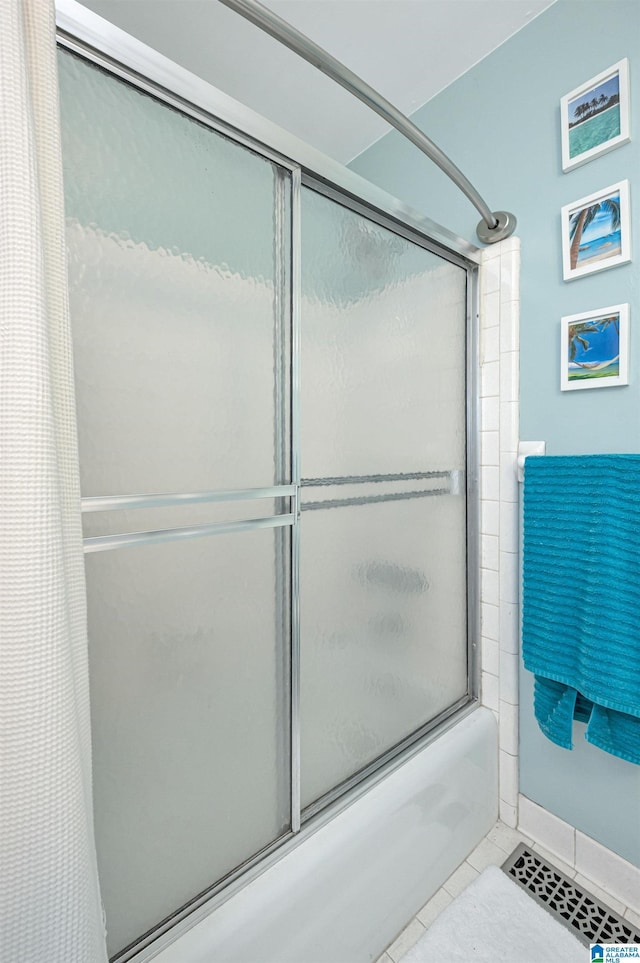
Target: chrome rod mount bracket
[[504, 227]]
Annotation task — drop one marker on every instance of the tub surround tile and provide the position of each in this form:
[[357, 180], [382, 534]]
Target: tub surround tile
[[509, 326], [509, 376], [509, 627], [490, 587], [508, 765], [489, 555], [499, 544], [490, 621], [490, 657], [490, 484], [490, 341], [490, 691], [490, 448], [385, 958], [509, 415], [608, 870], [509, 578], [509, 678], [510, 277], [431, 910], [508, 814], [490, 517], [491, 310], [510, 245], [490, 281], [408, 938], [509, 727], [545, 828], [490, 380], [508, 477], [509, 539], [490, 414]]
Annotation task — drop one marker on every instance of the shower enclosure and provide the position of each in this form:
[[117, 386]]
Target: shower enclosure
[[275, 387]]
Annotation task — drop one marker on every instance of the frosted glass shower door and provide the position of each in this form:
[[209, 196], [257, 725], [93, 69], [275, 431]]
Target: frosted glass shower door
[[179, 242], [383, 595]]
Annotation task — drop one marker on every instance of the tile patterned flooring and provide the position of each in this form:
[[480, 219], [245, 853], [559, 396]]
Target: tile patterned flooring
[[491, 851]]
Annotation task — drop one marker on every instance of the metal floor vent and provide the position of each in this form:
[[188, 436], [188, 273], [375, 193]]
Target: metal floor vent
[[588, 918]]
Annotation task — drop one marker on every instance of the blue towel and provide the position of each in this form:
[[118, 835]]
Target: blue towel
[[581, 597]]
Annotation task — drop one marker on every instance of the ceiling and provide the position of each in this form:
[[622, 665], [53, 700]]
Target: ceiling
[[407, 49]]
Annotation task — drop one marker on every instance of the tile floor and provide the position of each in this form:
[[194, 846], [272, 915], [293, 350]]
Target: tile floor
[[491, 851]]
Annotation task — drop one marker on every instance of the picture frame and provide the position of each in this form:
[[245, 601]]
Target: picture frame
[[594, 118], [594, 348], [596, 231]]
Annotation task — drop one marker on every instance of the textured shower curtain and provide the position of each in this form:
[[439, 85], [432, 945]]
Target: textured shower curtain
[[50, 910]]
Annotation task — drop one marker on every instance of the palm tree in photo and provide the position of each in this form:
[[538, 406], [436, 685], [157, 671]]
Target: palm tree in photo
[[581, 219], [576, 337]]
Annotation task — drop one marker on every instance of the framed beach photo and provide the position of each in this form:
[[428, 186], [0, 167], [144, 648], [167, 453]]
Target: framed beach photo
[[595, 116], [596, 232], [594, 348]]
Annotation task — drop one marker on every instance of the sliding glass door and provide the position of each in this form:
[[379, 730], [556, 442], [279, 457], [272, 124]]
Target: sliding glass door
[[179, 277], [272, 417], [383, 531]]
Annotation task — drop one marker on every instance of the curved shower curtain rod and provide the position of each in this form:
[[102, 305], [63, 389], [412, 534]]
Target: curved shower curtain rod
[[494, 226]]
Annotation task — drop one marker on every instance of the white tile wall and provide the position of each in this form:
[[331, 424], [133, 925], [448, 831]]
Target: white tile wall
[[499, 418], [490, 517]]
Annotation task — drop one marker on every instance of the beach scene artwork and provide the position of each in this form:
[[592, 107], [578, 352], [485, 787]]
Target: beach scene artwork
[[594, 349], [595, 116], [595, 231]]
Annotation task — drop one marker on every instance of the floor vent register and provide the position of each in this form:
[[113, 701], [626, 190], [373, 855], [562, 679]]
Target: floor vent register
[[588, 918]]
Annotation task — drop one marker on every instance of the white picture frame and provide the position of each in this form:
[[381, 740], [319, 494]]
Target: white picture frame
[[594, 349], [594, 118], [596, 232]]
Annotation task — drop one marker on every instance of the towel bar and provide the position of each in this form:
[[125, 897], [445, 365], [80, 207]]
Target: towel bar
[[528, 448]]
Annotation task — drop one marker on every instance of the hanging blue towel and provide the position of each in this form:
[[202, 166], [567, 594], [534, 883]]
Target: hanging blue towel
[[581, 597]]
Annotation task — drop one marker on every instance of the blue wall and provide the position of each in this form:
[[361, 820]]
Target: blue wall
[[500, 124]]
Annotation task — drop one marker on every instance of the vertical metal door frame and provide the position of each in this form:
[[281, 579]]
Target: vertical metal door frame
[[296, 293]]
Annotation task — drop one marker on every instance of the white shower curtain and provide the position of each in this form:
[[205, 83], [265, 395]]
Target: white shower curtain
[[50, 910]]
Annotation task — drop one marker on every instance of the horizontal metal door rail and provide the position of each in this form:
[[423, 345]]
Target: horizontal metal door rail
[[104, 543], [365, 479], [115, 503], [370, 499]]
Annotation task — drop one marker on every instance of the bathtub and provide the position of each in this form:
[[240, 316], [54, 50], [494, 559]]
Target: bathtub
[[346, 889]]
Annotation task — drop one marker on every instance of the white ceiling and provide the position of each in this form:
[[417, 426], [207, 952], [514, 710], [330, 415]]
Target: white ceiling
[[407, 49]]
